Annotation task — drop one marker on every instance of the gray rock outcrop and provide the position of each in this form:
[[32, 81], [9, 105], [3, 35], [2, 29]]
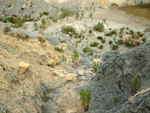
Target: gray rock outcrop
[[113, 83]]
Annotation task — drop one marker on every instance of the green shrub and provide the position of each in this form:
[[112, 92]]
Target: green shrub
[[147, 29], [64, 58], [7, 29], [99, 27], [103, 41], [100, 38], [101, 47], [94, 44], [65, 13], [140, 34], [85, 49], [63, 41], [114, 4], [114, 47], [59, 49], [85, 97], [127, 43], [108, 34], [116, 100], [54, 18], [43, 24], [95, 66], [131, 32], [90, 31], [77, 14], [144, 40], [68, 29], [110, 42], [113, 32], [75, 56], [135, 85], [90, 15], [45, 13], [120, 41]]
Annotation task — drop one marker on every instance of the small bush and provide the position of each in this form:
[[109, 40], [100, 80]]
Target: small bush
[[90, 31], [120, 41], [94, 44], [45, 13], [85, 97], [114, 4], [108, 34], [140, 34], [65, 13], [114, 47], [144, 40], [131, 32], [68, 29], [99, 27], [64, 58], [41, 39], [113, 32], [75, 56], [59, 49], [7, 29], [100, 38], [54, 18], [127, 43], [135, 85], [90, 15], [77, 14], [116, 100], [95, 66], [103, 41], [101, 47], [85, 49], [110, 42]]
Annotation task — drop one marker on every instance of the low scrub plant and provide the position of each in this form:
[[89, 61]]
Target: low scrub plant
[[85, 97], [99, 27], [66, 13], [135, 85], [94, 44], [64, 58], [114, 4], [110, 42], [95, 66], [100, 38], [85, 49], [68, 29], [120, 41], [75, 56], [101, 47], [59, 49], [116, 100], [114, 47]]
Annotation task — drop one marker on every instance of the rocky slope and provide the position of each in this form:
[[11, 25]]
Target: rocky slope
[[115, 83], [37, 66]]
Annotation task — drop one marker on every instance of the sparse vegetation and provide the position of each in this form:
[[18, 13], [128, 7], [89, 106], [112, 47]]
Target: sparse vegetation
[[94, 44], [75, 56], [110, 42], [77, 14], [100, 38], [101, 47], [64, 58], [90, 31], [85, 97], [45, 13], [43, 24], [95, 66], [7, 29], [68, 29], [116, 100], [99, 27], [120, 41], [90, 15], [114, 4], [85, 49], [66, 13], [135, 85], [59, 49], [114, 47]]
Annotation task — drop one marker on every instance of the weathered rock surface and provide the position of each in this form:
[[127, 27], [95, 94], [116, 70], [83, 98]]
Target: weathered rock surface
[[114, 79]]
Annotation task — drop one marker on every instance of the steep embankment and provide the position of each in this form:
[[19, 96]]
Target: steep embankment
[[121, 77]]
